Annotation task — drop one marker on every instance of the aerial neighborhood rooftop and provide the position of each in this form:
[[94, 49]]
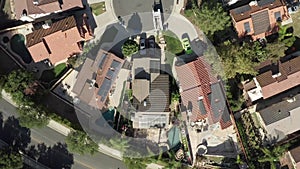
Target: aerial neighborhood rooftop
[[150, 84]]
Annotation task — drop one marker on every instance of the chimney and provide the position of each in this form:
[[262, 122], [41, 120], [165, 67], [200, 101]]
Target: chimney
[[253, 3], [35, 2]]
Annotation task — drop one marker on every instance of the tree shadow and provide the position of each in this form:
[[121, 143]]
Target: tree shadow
[[56, 156], [15, 135], [134, 24]]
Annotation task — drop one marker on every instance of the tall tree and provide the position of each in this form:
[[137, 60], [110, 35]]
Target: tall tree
[[16, 83], [210, 17], [273, 154], [32, 116], [238, 59], [79, 142], [134, 163], [129, 47], [10, 159]]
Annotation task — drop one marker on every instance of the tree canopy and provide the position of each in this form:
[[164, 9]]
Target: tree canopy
[[10, 159], [16, 83], [129, 47], [79, 142], [210, 17], [32, 116], [273, 154]]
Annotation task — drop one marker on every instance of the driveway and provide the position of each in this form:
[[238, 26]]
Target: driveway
[[127, 7], [137, 14]]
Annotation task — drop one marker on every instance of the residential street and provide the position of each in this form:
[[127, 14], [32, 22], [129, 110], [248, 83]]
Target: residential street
[[51, 137]]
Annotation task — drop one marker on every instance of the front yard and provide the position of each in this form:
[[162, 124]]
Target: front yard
[[50, 75], [98, 8], [173, 43]]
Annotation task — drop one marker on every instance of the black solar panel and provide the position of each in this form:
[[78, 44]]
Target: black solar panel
[[110, 74], [105, 87], [115, 64], [265, 2], [102, 60], [242, 9], [202, 108]]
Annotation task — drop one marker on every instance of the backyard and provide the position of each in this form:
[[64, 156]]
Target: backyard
[[17, 44], [98, 8], [53, 74], [6, 64]]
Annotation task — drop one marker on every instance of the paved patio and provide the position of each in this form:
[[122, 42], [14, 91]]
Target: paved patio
[[64, 89], [119, 88]]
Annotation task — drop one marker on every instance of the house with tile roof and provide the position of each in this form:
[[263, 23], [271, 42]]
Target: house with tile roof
[[151, 93], [281, 119], [259, 19], [59, 40], [96, 78], [202, 93], [274, 78], [29, 10]]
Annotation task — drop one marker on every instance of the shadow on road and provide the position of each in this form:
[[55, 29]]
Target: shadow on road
[[14, 135], [56, 156], [18, 138], [134, 24]]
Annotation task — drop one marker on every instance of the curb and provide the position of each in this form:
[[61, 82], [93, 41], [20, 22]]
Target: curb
[[64, 130]]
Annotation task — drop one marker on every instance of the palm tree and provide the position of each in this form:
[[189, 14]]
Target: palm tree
[[119, 143], [273, 155]]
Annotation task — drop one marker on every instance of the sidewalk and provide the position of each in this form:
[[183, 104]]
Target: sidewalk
[[64, 130]]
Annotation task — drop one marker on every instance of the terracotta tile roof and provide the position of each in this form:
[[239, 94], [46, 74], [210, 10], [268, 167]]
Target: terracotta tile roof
[[56, 43], [44, 6], [245, 11], [201, 93], [289, 77], [62, 25]]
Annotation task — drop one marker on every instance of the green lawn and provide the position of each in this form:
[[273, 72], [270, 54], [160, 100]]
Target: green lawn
[[59, 69], [98, 8], [173, 43], [296, 23], [52, 74]]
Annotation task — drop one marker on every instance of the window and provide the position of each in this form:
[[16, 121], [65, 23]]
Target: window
[[247, 27], [277, 16]]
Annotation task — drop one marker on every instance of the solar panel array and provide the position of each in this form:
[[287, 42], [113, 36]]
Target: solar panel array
[[104, 89], [102, 60], [202, 108], [242, 9], [265, 2], [151, 120]]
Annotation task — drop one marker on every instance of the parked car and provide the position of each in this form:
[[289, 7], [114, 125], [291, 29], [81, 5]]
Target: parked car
[[151, 43], [186, 45], [142, 46]]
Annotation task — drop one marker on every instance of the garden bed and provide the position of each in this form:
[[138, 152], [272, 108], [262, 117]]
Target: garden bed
[[49, 77]]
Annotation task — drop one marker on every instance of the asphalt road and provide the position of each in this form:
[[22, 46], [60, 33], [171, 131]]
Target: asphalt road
[[137, 14], [50, 137]]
